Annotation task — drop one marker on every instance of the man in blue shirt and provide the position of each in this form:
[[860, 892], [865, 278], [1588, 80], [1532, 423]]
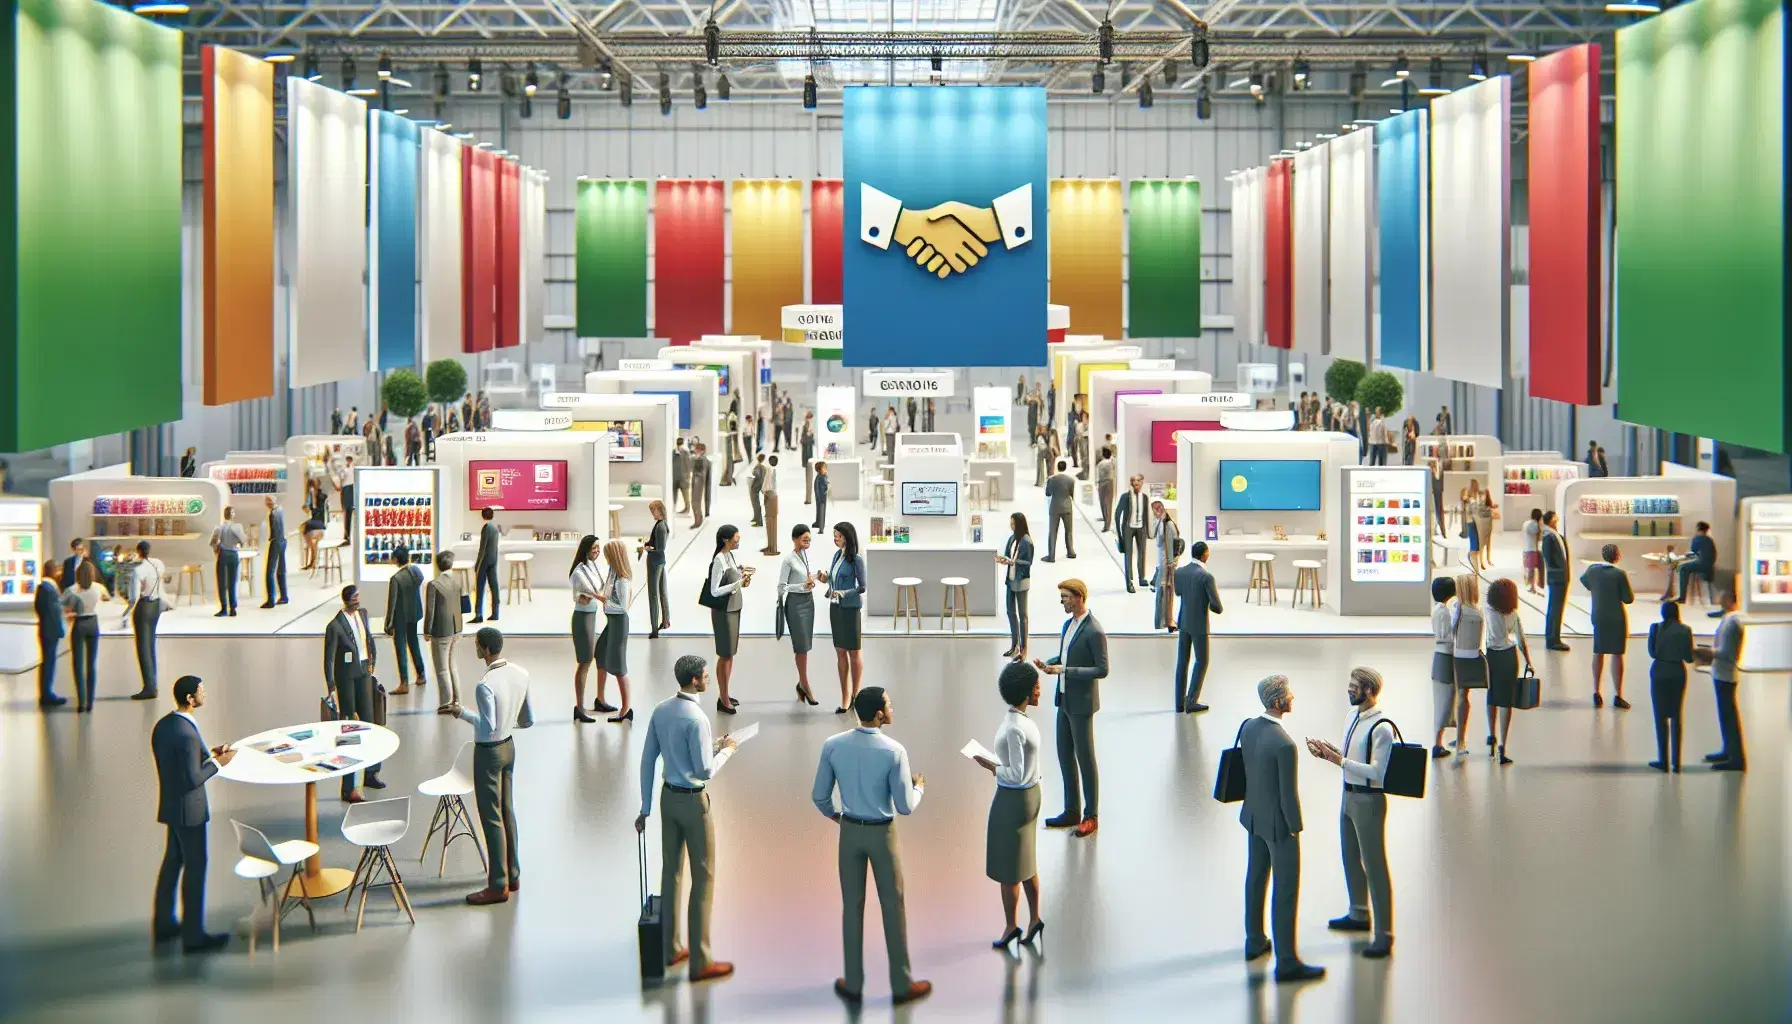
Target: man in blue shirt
[[1704, 560]]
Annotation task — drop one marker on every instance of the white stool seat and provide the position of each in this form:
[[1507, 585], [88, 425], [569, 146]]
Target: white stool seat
[[519, 556], [1305, 563], [954, 581], [256, 868], [451, 784], [375, 833], [451, 818], [1260, 556], [906, 581]]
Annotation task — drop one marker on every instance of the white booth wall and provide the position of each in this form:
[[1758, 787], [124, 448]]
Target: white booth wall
[[1133, 435], [1700, 496], [1067, 363], [743, 372], [706, 404], [1105, 384], [587, 486], [251, 509], [659, 432], [72, 514]]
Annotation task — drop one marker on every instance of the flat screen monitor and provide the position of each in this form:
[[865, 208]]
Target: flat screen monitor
[[625, 437], [929, 499], [1163, 436], [684, 405], [1269, 485], [721, 369], [517, 484]]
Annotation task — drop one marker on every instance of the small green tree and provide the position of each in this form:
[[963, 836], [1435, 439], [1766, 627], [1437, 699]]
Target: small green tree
[[1379, 390], [1342, 378], [405, 393], [447, 381]]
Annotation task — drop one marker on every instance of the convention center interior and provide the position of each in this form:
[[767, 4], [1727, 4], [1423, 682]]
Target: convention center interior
[[1284, 418]]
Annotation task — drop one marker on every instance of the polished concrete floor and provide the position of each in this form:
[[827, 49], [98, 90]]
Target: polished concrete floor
[[1574, 885]]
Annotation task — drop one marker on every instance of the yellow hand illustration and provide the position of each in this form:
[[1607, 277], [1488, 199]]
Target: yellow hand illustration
[[950, 237]]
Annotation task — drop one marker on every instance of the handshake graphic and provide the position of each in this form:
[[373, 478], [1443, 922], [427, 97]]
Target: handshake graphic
[[952, 236]]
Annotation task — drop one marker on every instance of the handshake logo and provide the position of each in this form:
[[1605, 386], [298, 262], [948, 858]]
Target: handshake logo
[[951, 237]]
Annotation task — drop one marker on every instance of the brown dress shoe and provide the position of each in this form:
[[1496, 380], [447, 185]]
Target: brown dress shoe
[[1086, 828], [486, 897], [845, 993], [402, 688], [679, 956], [354, 797], [718, 969], [916, 990], [515, 884]]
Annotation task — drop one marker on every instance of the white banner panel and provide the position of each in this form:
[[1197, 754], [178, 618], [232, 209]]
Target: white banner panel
[[1247, 255], [1471, 181], [533, 264], [438, 245], [327, 201], [1349, 241], [1312, 197], [916, 383]]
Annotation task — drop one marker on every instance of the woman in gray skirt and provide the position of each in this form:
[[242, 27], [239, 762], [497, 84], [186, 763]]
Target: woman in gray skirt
[[1013, 817], [1443, 662], [612, 646], [846, 594], [796, 606], [726, 581], [1468, 630], [587, 581]]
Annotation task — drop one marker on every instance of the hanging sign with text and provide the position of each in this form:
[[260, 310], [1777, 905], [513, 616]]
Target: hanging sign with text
[[903, 383]]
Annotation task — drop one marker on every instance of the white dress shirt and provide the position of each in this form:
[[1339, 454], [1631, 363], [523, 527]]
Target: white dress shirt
[[502, 702], [1365, 748], [1136, 510], [1017, 751], [718, 567], [362, 640], [794, 573]]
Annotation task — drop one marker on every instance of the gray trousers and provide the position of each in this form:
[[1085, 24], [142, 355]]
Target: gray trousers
[[808, 482], [1280, 857], [1061, 519], [753, 499], [1443, 700], [687, 829], [874, 845], [1132, 552], [441, 654], [657, 612], [144, 619], [1363, 828], [1104, 493], [699, 503], [494, 774], [682, 487], [1076, 756]]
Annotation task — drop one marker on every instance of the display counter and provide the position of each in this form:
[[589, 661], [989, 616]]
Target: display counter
[[550, 568], [114, 510], [930, 563]]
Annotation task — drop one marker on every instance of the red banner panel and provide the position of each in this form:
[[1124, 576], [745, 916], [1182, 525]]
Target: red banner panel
[[479, 250], [827, 232], [688, 265], [1564, 197], [509, 261], [1278, 255]]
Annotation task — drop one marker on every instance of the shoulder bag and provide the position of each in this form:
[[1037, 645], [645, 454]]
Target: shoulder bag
[[1228, 785], [1407, 764], [707, 597]]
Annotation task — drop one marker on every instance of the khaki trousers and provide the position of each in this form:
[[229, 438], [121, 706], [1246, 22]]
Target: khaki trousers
[[441, 654], [874, 845], [686, 828], [771, 523]]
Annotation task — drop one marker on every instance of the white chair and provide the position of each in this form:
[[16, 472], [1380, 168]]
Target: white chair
[[261, 862], [375, 826], [451, 819]]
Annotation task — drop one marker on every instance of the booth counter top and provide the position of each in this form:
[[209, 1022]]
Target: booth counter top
[[549, 568], [931, 563]]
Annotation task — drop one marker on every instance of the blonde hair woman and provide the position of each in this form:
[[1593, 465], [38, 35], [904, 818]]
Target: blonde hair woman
[[612, 644], [1467, 630]]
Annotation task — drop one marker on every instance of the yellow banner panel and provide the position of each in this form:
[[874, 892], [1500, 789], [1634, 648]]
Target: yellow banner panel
[[238, 99], [768, 254], [1087, 223]]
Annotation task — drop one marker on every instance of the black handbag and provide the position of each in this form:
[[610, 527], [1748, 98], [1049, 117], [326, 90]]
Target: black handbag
[[651, 930], [1228, 785], [1528, 694], [1407, 765]]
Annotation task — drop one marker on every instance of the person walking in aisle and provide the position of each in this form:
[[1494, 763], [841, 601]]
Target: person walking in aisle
[[1671, 648], [183, 766], [1554, 554], [1010, 859], [846, 601], [1167, 538], [349, 658], [755, 489], [1271, 818], [680, 738], [586, 578], [485, 565], [189, 462], [1609, 588], [1533, 551], [730, 449], [143, 588], [1016, 561], [1060, 491], [1200, 595], [760, 428], [1042, 457], [82, 601], [1446, 424], [227, 541], [913, 407], [1377, 438], [1726, 649], [1363, 819], [1409, 441], [1438, 513], [796, 606], [727, 580], [1132, 517], [47, 602], [871, 771], [822, 485], [700, 485], [658, 542], [274, 576], [1104, 488], [612, 643], [1468, 628], [681, 474], [1080, 665], [1505, 641], [1443, 662], [927, 416], [1592, 459], [768, 501], [442, 625], [413, 442], [501, 705], [806, 440], [404, 611], [345, 486]]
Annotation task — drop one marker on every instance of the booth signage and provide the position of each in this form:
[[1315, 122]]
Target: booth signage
[[1224, 400], [643, 365], [530, 419], [1152, 364], [812, 325], [920, 383], [930, 449]]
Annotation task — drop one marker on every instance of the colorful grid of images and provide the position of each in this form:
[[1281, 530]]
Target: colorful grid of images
[[1389, 531]]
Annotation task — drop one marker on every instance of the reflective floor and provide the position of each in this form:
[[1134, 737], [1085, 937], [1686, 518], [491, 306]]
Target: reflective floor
[[1575, 885]]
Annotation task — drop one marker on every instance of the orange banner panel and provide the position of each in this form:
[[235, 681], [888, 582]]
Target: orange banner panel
[[238, 140], [1087, 223], [768, 254]]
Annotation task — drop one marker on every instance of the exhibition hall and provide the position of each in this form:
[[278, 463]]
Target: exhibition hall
[[737, 459]]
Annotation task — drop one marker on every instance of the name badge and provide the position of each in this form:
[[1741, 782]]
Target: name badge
[[348, 657]]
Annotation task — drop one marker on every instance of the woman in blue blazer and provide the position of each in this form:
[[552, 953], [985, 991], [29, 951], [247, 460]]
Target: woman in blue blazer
[[846, 601], [1017, 557]]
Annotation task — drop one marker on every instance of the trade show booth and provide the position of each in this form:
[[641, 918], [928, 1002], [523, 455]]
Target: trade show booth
[[1072, 363], [931, 534], [113, 510], [1764, 583], [1650, 518], [320, 453], [1386, 540], [23, 522], [253, 477], [697, 392], [1465, 457], [1530, 480], [836, 432], [1145, 435], [643, 428], [1108, 387], [396, 507], [992, 459], [736, 370]]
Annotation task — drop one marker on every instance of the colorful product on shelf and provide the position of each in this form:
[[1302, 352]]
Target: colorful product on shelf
[[1523, 479], [1623, 505], [128, 528], [389, 522], [18, 562], [262, 479], [148, 505]]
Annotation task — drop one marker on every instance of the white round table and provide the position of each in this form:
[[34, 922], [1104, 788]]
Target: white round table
[[306, 755]]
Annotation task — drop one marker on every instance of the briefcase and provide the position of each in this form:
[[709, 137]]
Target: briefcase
[[1407, 765], [1527, 693], [326, 709], [1228, 787], [652, 928], [379, 702]]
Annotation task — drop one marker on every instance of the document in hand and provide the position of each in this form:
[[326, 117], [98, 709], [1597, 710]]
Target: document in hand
[[974, 750], [744, 733]]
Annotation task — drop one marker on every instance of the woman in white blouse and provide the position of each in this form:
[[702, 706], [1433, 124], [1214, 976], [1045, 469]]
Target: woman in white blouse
[[587, 581], [1468, 632], [612, 645], [727, 578], [796, 605], [1014, 815], [1443, 662]]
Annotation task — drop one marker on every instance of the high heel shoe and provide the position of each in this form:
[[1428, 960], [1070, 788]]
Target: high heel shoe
[[602, 708], [1008, 936], [839, 711], [1033, 932], [804, 696], [579, 715], [626, 716], [1598, 701], [723, 707], [1504, 760]]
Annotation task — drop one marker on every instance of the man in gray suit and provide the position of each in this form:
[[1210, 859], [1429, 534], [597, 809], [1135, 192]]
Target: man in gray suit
[[755, 483], [442, 625], [1726, 648], [274, 576], [1132, 520], [699, 500], [681, 474], [404, 610], [485, 566], [1200, 595], [1080, 665], [1060, 490], [1271, 817]]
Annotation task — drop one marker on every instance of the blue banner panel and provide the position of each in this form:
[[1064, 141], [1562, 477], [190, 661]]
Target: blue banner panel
[[396, 151], [1402, 208], [945, 238]]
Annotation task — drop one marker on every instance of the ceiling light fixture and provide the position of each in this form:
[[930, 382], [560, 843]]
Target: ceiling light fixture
[[528, 106], [809, 91], [1169, 73], [1198, 52], [627, 94], [665, 93], [698, 92], [722, 88], [443, 86], [1204, 104], [530, 81], [563, 102], [475, 77], [1145, 97], [605, 79], [1401, 69], [712, 42], [938, 62], [385, 66], [1104, 41], [348, 74], [1240, 82], [1302, 71], [1098, 80]]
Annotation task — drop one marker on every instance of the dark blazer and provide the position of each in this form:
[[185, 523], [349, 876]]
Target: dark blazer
[[700, 472], [339, 650], [1060, 488], [1271, 791], [1670, 644], [404, 596], [1085, 665], [657, 542], [1022, 553], [1555, 557], [1200, 594], [441, 607], [276, 527], [182, 767], [1609, 588], [1705, 551], [821, 487], [48, 603], [69, 565], [487, 558], [1123, 511]]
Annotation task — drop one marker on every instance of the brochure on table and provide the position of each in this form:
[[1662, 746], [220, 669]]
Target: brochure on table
[[395, 506], [1385, 526], [114, 510], [642, 428], [22, 524], [1646, 515], [547, 490]]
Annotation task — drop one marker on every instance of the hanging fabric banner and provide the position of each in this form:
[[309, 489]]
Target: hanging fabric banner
[[439, 246], [533, 228], [1562, 171], [1088, 273], [1471, 247], [392, 240], [479, 251], [611, 259], [510, 254], [1278, 255], [237, 93], [1349, 241], [1163, 286], [767, 250], [827, 227], [326, 190], [688, 259], [1310, 257], [1247, 255], [1403, 231]]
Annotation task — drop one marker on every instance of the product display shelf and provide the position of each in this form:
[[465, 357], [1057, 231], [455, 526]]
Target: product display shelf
[[250, 479], [135, 537]]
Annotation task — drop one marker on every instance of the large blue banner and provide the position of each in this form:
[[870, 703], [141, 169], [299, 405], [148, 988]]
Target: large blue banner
[[395, 150], [945, 249], [1403, 195]]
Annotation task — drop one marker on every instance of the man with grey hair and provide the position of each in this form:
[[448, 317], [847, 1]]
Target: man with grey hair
[[1363, 821], [1271, 817]]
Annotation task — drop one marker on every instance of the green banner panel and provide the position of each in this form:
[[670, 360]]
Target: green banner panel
[[1163, 276], [90, 245], [1700, 248], [612, 259]]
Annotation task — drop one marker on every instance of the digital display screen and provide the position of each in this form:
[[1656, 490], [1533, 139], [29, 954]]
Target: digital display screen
[[517, 484], [1163, 436], [684, 406], [1269, 485], [722, 375], [929, 499], [625, 437]]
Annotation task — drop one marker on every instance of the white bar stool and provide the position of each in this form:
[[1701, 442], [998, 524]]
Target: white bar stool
[[1263, 576], [451, 819], [261, 862], [908, 602], [518, 582], [375, 826], [1306, 579], [992, 493], [955, 603]]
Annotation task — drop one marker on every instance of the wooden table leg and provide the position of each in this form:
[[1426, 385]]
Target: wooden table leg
[[317, 881]]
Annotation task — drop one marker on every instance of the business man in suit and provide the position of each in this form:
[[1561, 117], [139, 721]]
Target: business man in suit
[[349, 657], [404, 610], [1704, 560], [274, 576], [77, 553], [485, 566], [442, 624], [51, 628], [183, 765], [1726, 649], [1555, 577], [681, 474], [1060, 490], [1200, 596], [1271, 817], [1132, 520], [1080, 665], [700, 485], [755, 482], [822, 484]]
